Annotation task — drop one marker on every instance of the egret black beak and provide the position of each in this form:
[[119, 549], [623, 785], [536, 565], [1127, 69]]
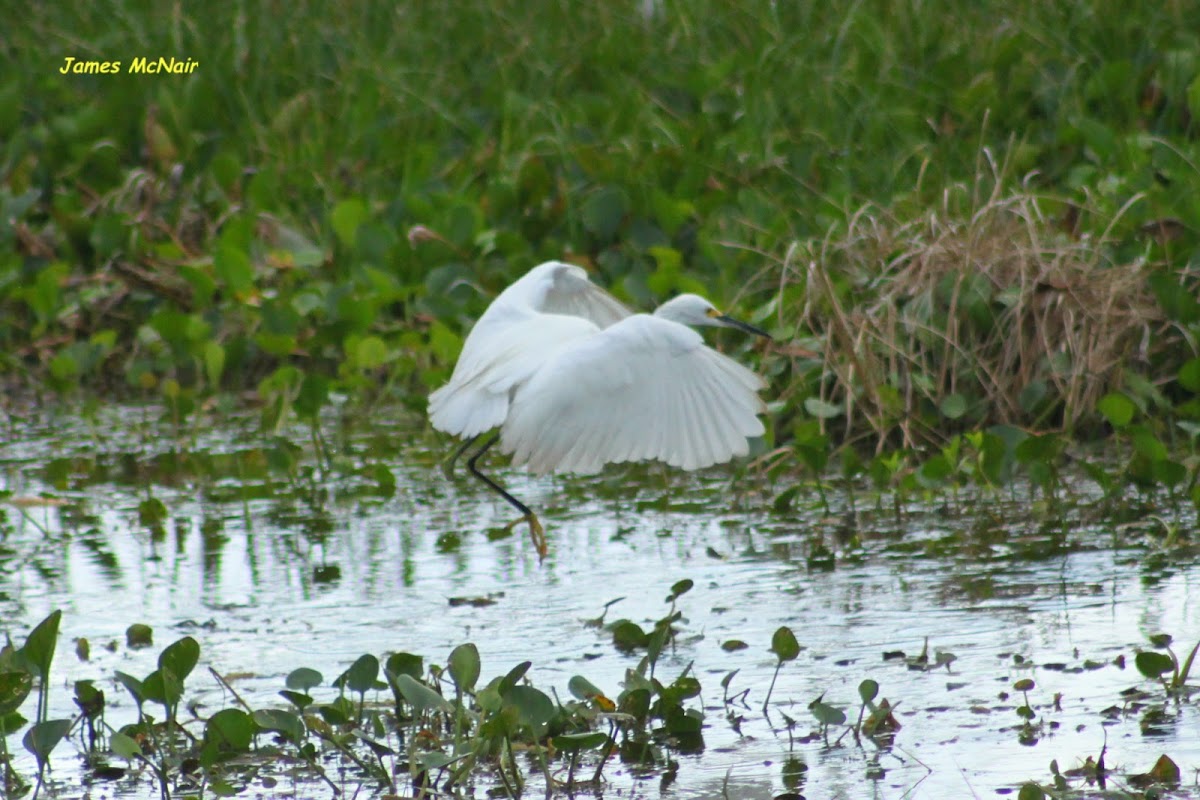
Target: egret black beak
[[742, 326]]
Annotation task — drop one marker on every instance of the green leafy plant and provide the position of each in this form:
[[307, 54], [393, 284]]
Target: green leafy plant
[[786, 648], [1166, 667]]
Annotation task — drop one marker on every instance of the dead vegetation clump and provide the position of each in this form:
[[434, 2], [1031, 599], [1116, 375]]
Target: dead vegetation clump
[[993, 314]]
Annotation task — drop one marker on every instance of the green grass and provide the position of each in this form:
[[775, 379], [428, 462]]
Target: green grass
[[176, 236]]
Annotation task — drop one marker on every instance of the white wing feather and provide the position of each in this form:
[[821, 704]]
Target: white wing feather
[[644, 388], [478, 400], [512, 338], [570, 292]]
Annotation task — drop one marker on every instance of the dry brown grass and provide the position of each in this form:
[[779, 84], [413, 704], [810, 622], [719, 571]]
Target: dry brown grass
[[986, 297]]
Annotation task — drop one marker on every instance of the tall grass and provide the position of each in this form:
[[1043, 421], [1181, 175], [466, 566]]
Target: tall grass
[[261, 204]]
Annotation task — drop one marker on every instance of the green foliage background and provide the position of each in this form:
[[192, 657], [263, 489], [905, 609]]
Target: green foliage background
[[339, 187]]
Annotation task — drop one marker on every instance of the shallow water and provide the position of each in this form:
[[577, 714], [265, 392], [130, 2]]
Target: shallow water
[[269, 575]]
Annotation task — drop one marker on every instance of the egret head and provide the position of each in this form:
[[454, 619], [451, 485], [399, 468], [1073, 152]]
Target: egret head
[[692, 309]]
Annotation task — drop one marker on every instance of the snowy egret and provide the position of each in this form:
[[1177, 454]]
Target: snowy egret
[[575, 381]]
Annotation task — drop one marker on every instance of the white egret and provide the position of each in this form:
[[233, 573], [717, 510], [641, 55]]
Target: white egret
[[575, 381]]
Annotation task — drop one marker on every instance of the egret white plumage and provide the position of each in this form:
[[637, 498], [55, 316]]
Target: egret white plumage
[[574, 381]]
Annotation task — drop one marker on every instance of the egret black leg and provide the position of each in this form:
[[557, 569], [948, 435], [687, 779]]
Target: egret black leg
[[535, 527], [448, 464]]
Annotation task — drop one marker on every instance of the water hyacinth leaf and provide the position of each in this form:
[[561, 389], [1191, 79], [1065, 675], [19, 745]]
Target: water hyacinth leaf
[[534, 708], [420, 696], [1024, 685], [1116, 408], [180, 657], [138, 635], [577, 742], [1031, 791], [214, 363], [784, 644], [582, 689], [227, 732], [1166, 771], [222, 788], [1031, 396], [445, 343], [345, 219], [935, 470], [680, 588], [39, 646], [1161, 639], [289, 725], [14, 688], [461, 223], [953, 406], [312, 397], [377, 747], [371, 352], [232, 265], [827, 714], [783, 501], [1148, 445], [298, 699], [684, 723], [1189, 373], [338, 712], [868, 690], [1154, 665], [464, 666], [1037, 449], [124, 746], [603, 211], [684, 688], [89, 699], [1169, 473], [133, 685], [513, 676], [161, 686], [820, 409], [733, 645], [42, 738], [1177, 301], [489, 697], [303, 679], [636, 703], [628, 636], [405, 664], [362, 674], [657, 641]]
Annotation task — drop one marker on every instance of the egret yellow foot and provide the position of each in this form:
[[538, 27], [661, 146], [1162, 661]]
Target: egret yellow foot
[[536, 532]]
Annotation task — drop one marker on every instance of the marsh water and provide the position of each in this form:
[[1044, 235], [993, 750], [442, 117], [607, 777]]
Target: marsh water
[[274, 559]]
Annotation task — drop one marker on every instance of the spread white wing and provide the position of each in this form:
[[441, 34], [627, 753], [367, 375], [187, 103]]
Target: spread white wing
[[568, 291], [552, 303], [643, 388]]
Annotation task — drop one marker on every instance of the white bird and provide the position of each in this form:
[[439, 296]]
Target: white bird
[[574, 381]]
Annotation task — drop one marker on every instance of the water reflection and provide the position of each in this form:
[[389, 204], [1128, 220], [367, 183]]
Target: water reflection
[[273, 566]]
